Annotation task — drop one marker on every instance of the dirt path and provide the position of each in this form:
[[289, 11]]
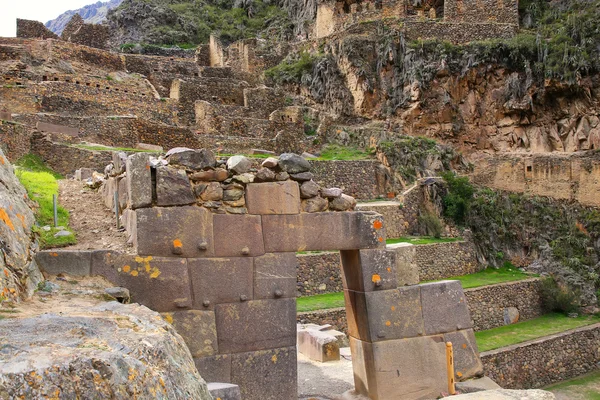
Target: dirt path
[[92, 221]]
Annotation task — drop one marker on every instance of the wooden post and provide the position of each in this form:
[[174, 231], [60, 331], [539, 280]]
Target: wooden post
[[450, 365], [55, 209]]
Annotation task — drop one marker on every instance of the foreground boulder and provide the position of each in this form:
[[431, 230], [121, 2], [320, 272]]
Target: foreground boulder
[[68, 342]]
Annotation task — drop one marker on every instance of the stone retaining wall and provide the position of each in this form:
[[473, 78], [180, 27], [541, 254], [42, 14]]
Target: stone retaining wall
[[544, 361], [398, 223], [488, 304], [357, 178], [319, 273], [442, 260]]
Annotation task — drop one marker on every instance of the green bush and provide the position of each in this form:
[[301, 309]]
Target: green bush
[[292, 69], [430, 224], [458, 198], [558, 299]]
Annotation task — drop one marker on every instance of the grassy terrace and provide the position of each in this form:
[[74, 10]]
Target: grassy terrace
[[41, 183], [584, 387], [528, 330], [488, 276]]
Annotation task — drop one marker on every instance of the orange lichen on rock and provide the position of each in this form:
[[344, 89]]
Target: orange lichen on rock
[[4, 217]]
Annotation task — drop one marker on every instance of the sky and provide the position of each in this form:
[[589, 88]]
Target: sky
[[39, 10]]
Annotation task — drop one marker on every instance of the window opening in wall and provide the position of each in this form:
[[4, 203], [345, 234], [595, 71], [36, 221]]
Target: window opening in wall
[[529, 168], [44, 78], [55, 79]]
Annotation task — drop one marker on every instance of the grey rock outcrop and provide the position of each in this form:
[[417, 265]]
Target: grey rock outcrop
[[20, 274]]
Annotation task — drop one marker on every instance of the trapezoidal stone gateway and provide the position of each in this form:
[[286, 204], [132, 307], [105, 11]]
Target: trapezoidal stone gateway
[[223, 273]]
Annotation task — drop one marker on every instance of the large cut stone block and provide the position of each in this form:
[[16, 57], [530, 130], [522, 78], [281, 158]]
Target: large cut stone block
[[198, 329], [256, 325], [71, 262], [407, 270], [369, 270], [215, 368], [220, 280], [444, 307], [275, 275], [139, 180], [467, 363], [323, 231], [384, 315], [173, 188], [174, 231], [161, 284], [319, 345], [267, 374], [238, 235], [273, 198], [410, 369], [224, 391]]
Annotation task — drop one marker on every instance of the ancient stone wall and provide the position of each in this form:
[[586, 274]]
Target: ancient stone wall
[[34, 30], [489, 305], [357, 178], [319, 273], [565, 177], [544, 361], [15, 140], [92, 35], [443, 260], [458, 32], [481, 11], [400, 220], [336, 317]]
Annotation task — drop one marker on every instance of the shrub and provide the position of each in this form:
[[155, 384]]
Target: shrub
[[557, 298], [430, 224], [458, 199]]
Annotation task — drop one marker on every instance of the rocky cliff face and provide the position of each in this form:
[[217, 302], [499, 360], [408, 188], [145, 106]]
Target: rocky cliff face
[[19, 273], [91, 14]]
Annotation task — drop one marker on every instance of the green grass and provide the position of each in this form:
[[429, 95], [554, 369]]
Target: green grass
[[492, 276], [320, 302], [41, 183], [346, 153], [528, 330], [587, 386], [421, 240]]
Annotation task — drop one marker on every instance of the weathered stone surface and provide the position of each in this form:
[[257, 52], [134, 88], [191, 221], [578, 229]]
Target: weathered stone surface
[[161, 284], [270, 162], [507, 394], [384, 315], [444, 307], [244, 178], [275, 275], [20, 274], [331, 193], [407, 271], [238, 235], [5, 115], [293, 163], [139, 180], [282, 176], [52, 128], [121, 294], [309, 189], [342, 203], [302, 176], [220, 280], [218, 175], [369, 270], [412, 368], [212, 192], [273, 198], [466, 356], [151, 147], [173, 188], [315, 205], [224, 391], [323, 231], [72, 262], [477, 385], [215, 368], [191, 159], [119, 160], [239, 164], [319, 345], [182, 231], [83, 174], [198, 329], [94, 350], [265, 175], [256, 325], [267, 374], [511, 315]]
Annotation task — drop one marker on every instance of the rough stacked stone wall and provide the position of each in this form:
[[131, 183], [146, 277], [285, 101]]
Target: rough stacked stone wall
[[489, 304], [15, 140], [319, 273], [548, 360], [357, 178], [92, 35], [33, 29], [399, 221], [336, 317], [443, 260]]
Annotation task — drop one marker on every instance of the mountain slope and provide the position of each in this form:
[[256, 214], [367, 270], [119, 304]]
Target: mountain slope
[[93, 14]]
